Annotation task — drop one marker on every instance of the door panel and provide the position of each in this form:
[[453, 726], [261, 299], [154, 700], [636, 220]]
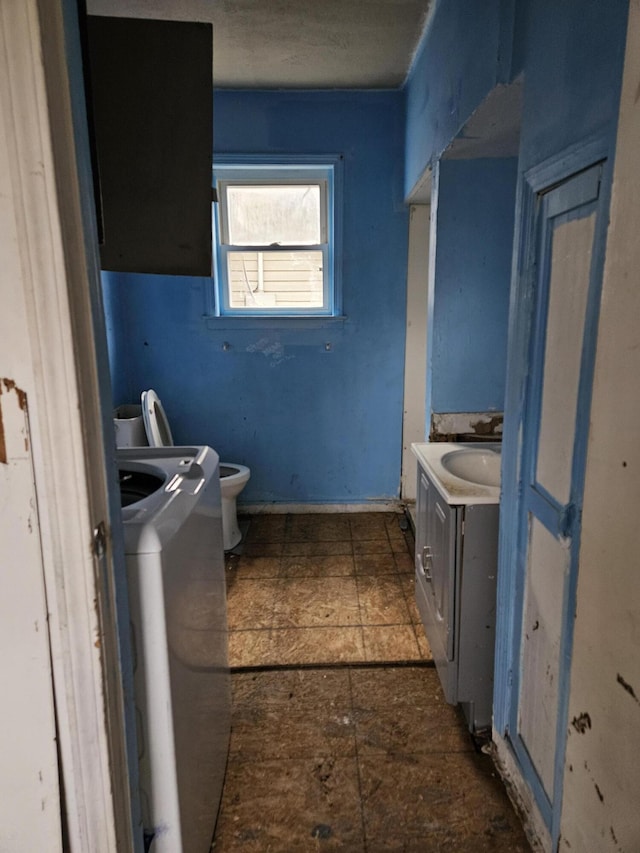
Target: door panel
[[568, 291], [553, 431], [541, 630]]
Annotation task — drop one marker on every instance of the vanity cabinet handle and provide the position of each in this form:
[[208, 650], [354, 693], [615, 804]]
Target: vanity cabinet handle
[[427, 562]]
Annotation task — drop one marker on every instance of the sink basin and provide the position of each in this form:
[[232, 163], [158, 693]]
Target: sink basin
[[476, 466]]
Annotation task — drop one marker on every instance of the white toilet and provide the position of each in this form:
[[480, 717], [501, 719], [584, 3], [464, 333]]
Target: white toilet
[[233, 478]]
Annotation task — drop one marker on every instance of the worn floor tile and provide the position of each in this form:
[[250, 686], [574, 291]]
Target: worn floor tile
[[309, 804], [256, 567], [318, 549], [262, 549], [390, 643], [358, 759], [443, 802], [318, 567], [293, 688], [250, 603], [404, 561], [379, 547], [382, 600], [318, 645], [408, 582], [318, 528], [418, 686], [423, 643], [399, 710], [250, 648], [375, 563], [401, 546], [368, 525], [315, 602], [292, 714], [266, 528]]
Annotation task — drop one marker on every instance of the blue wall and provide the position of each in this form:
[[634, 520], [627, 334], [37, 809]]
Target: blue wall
[[571, 53], [313, 425], [475, 217], [570, 56], [464, 52]]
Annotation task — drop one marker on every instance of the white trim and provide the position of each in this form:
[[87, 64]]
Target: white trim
[[414, 427], [64, 413], [275, 508]]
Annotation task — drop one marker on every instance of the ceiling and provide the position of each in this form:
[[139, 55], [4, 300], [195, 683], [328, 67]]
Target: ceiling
[[299, 44]]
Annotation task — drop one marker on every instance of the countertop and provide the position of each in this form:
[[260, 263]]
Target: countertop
[[455, 490]]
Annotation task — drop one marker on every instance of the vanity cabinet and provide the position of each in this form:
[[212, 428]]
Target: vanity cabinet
[[456, 565]]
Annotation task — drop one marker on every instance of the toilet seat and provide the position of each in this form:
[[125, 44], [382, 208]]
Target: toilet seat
[[155, 420]]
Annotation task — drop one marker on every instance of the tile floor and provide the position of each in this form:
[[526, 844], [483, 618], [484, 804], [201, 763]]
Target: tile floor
[[311, 589], [341, 738]]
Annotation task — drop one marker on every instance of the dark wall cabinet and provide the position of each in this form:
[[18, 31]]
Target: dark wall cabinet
[[456, 566], [150, 104]]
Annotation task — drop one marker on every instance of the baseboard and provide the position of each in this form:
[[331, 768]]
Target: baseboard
[[265, 508]]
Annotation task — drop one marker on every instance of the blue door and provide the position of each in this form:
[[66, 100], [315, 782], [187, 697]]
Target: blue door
[[559, 323]]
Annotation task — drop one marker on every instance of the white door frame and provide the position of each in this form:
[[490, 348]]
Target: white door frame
[[415, 360], [55, 279]]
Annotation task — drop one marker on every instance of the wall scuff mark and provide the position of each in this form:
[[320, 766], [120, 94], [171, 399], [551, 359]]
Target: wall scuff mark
[[582, 723], [272, 350], [627, 687]]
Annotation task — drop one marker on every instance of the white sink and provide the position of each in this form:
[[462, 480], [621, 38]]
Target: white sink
[[475, 466]]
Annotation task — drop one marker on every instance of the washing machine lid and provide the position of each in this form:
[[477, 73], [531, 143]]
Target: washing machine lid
[[156, 424]]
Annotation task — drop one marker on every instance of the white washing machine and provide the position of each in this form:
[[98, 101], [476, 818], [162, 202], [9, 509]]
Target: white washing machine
[[175, 566]]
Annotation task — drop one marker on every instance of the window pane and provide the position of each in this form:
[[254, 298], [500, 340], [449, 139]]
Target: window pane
[[274, 215], [275, 279]]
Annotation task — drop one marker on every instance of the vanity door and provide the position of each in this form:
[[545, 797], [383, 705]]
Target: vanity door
[[436, 536], [442, 542]]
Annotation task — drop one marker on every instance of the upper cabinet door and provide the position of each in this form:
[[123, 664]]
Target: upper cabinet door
[[150, 94]]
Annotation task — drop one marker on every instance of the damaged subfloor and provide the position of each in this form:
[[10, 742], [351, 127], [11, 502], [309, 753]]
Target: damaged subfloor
[[341, 738]]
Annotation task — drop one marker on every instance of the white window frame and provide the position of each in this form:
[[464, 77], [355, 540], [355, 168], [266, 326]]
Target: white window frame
[[324, 172]]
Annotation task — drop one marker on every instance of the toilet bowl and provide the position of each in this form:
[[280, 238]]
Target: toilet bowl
[[233, 477]]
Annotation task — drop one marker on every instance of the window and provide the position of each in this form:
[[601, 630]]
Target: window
[[276, 238]]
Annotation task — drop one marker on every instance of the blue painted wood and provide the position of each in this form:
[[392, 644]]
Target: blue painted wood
[[577, 195], [543, 174]]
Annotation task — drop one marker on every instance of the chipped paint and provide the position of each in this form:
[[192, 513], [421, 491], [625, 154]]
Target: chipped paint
[[9, 385], [3, 443], [466, 426]]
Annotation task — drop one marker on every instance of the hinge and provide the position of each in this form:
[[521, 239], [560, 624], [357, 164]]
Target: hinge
[[99, 542]]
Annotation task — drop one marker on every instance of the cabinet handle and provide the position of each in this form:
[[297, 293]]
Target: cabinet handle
[[427, 562]]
